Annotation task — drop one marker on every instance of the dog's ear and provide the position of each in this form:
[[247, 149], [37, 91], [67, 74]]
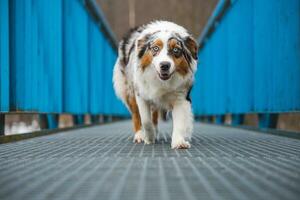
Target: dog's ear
[[142, 45], [192, 46]]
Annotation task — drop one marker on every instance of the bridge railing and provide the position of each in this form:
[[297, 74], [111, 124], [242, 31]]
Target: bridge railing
[[249, 61], [56, 57]]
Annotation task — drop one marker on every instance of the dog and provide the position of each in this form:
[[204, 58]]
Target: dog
[[155, 70]]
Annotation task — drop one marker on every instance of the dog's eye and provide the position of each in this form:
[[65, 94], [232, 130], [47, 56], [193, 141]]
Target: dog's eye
[[176, 50], [155, 48]]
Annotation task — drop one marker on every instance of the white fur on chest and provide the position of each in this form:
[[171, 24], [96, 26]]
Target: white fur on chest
[[158, 92]]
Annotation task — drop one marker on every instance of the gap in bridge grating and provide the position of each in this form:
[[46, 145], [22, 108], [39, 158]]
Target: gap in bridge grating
[[101, 162]]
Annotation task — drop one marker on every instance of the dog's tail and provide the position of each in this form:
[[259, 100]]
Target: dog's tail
[[119, 82]]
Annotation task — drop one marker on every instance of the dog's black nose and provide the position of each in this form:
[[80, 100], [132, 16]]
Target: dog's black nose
[[165, 66]]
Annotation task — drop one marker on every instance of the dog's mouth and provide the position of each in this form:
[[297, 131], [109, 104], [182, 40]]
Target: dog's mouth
[[164, 75]]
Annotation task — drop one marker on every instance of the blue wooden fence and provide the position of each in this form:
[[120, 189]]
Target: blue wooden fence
[[249, 61], [56, 57], [4, 55]]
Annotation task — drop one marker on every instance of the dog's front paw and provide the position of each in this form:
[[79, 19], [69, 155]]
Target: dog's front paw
[[138, 137], [150, 134], [180, 144], [149, 139]]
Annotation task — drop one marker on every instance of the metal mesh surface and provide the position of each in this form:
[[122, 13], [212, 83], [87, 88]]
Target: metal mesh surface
[[102, 163]]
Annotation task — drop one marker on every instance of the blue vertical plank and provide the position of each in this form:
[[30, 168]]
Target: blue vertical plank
[[264, 53], [240, 57], [36, 55], [106, 79], [50, 55], [197, 93], [75, 51], [200, 75], [4, 56], [16, 13], [205, 82], [23, 52], [221, 67], [96, 46], [286, 71], [212, 90]]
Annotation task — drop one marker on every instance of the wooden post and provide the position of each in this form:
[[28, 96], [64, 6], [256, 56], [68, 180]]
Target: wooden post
[[237, 119], [2, 124], [95, 119], [78, 119], [268, 120], [219, 119], [43, 122]]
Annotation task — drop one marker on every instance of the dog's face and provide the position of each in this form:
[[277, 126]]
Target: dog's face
[[167, 53]]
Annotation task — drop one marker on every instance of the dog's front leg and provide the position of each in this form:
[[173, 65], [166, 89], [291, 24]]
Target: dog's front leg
[[147, 124], [182, 124]]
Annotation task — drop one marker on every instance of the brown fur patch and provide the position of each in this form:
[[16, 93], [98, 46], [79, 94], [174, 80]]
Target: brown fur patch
[[173, 43], [192, 46], [158, 42], [142, 45], [136, 119], [146, 59], [181, 64]]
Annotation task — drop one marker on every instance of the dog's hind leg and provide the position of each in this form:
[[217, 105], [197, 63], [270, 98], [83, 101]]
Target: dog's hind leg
[[136, 119]]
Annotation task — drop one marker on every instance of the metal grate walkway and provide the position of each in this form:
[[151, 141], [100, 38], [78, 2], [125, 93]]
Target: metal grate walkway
[[102, 163]]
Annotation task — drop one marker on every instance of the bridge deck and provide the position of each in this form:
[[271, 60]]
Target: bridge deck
[[101, 162]]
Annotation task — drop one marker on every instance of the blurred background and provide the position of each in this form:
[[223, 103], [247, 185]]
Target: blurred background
[[124, 14], [130, 13]]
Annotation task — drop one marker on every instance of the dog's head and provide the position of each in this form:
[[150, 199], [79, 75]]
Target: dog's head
[[168, 53]]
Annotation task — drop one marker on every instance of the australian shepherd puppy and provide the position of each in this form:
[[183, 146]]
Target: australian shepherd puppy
[[155, 70]]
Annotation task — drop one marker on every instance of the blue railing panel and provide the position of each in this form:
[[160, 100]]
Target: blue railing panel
[[50, 56], [251, 60], [4, 55], [60, 56], [96, 60], [23, 48], [107, 80], [35, 56], [240, 57], [220, 84], [76, 64], [101, 62], [111, 104], [277, 55]]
